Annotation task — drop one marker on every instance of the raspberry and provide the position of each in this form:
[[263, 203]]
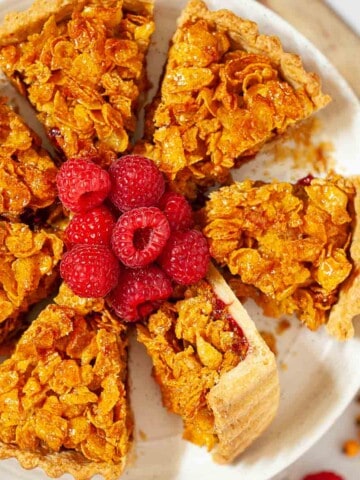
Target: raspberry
[[185, 257], [139, 236], [82, 185], [177, 210], [305, 181], [140, 292], [323, 476], [136, 182], [90, 228], [90, 270]]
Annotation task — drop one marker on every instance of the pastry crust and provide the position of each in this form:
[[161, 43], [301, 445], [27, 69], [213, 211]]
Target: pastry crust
[[245, 35], [340, 323], [17, 26], [58, 464], [246, 399]]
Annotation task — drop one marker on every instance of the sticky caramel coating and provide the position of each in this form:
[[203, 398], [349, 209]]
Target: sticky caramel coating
[[29, 269]]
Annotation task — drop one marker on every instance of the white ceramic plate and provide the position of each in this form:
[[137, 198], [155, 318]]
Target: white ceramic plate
[[318, 376]]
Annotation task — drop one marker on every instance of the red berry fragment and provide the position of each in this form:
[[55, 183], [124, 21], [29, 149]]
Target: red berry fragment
[[323, 476], [136, 182], [185, 257], [140, 292], [139, 236], [90, 270], [82, 185], [177, 210], [305, 181], [90, 228]]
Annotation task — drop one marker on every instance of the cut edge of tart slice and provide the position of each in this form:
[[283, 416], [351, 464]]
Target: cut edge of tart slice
[[213, 368], [246, 399], [340, 323], [63, 393], [82, 66], [225, 92]]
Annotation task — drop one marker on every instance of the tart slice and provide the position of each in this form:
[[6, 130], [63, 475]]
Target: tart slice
[[27, 173], [29, 263], [63, 401], [226, 90], [82, 66], [293, 248], [213, 367]]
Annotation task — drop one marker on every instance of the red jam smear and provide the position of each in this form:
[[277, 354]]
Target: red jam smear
[[306, 181], [240, 343]]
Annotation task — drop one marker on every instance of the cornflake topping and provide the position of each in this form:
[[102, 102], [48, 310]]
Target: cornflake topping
[[64, 386], [84, 74], [224, 94], [287, 245], [192, 342]]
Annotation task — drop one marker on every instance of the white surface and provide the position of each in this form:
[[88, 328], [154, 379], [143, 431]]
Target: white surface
[[327, 453], [321, 375], [349, 10]]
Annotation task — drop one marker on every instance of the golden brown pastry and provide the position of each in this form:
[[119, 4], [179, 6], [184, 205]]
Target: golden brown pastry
[[226, 90], [213, 367], [293, 248], [81, 64]]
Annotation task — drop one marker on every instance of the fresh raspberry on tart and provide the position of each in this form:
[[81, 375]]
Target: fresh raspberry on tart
[[82, 184], [92, 227], [136, 182]]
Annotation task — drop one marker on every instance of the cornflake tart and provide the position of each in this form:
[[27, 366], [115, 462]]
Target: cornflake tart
[[293, 248], [63, 400], [226, 90], [213, 367], [81, 64]]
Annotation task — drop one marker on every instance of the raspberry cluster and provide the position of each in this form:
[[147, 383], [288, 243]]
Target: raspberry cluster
[[130, 239]]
